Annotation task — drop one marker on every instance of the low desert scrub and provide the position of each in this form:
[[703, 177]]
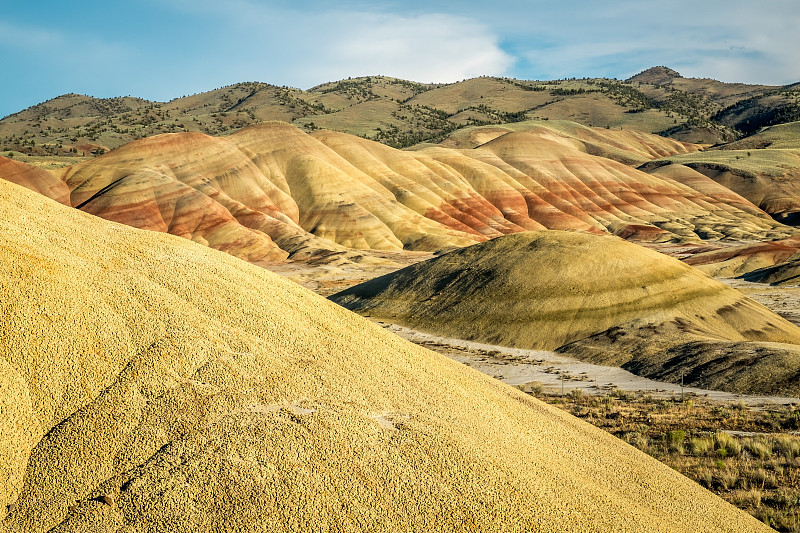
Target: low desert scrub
[[760, 448], [726, 445], [728, 479], [748, 498], [700, 445], [745, 455], [789, 447]]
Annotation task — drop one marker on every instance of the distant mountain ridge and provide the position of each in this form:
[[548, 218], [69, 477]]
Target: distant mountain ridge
[[403, 113], [655, 76]]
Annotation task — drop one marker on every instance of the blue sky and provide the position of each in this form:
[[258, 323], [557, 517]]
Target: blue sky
[[162, 49]]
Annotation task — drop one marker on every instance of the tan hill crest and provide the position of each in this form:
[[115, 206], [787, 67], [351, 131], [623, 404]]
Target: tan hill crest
[[403, 113]]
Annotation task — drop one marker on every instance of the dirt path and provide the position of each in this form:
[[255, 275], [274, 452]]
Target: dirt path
[[335, 274], [526, 367]]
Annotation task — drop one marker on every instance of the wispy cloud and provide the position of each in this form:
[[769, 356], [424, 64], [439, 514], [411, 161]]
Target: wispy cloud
[[160, 49], [311, 46], [29, 37], [62, 48], [428, 48], [732, 41]]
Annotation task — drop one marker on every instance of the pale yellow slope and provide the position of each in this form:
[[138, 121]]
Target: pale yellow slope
[[151, 384], [624, 145]]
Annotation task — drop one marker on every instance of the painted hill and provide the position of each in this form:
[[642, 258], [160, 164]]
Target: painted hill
[[598, 298], [175, 388], [732, 261], [605, 195], [35, 179], [764, 169], [271, 191], [786, 273]]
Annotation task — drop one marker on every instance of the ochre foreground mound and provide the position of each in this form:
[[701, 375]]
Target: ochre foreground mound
[[150, 384], [597, 297]]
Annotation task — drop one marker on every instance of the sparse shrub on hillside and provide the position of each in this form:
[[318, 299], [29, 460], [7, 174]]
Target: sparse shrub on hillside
[[700, 445], [725, 445], [575, 395], [695, 111]]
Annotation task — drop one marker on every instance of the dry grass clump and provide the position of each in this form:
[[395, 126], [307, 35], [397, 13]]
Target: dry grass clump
[[725, 445], [699, 445], [748, 456]]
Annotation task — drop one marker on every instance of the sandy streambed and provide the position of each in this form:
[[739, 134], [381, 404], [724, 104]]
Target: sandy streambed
[[555, 372]]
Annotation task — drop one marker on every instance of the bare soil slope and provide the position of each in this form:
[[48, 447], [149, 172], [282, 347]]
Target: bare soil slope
[[764, 168], [732, 261], [786, 273], [34, 178], [152, 384], [271, 191], [596, 297]]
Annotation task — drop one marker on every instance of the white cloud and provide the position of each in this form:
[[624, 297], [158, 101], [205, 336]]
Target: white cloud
[[426, 48], [731, 41], [29, 37], [286, 42]]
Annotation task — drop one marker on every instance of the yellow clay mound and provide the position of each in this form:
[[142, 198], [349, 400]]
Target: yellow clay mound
[[148, 383], [548, 290]]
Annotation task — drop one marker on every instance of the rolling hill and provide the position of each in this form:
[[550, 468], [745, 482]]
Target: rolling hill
[[598, 298], [764, 168], [34, 178], [403, 113], [732, 261], [785, 273], [175, 388], [271, 191]]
